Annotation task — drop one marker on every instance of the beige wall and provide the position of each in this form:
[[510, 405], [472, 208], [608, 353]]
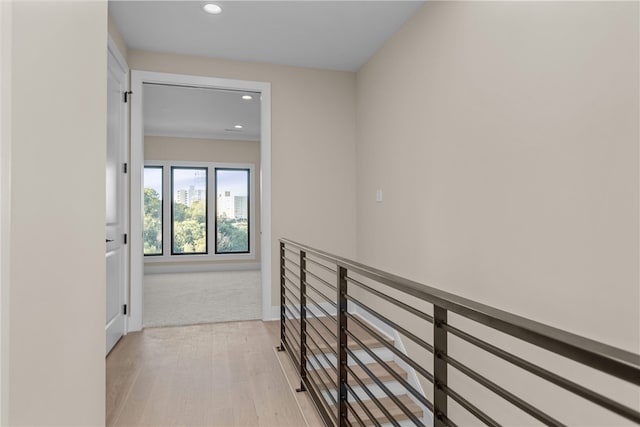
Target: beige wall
[[57, 267], [210, 150], [505, 139], [313, 146], [5, 207]]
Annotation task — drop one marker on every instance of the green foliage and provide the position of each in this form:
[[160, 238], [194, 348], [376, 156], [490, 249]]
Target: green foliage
[[189, 228], [232, 236], [152, 230]]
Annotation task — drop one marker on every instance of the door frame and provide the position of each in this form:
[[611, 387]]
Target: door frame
[[138, 79], [112, 49]]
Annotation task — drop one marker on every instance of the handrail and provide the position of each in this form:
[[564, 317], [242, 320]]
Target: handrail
[[616, 362]]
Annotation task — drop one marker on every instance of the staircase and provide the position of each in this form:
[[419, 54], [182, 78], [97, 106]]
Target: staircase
[[321, 366], [374, 386]]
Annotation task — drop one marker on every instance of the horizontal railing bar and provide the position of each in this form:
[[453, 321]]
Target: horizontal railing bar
[[347, 420], [397, 352], [386, 390], [319, 307], [326, 359], [333, 334], [614, 361], [293, 305], [291, 353], [327, 416], [392, 300], [315, 398], [374, 399], [309, 324], [321, 280], [326, 298], [291, 261], [422, 343], [566, 384], [448, 422], [294, 292], [293, 273], [321, 265], [317, 383], [363, 406], [469, 406], [326, 315], [296, 285], [393, 373], [297, 338], [355, 414], [291, 250], [332, 383], [506, 395], [329, 346], [321, 400]]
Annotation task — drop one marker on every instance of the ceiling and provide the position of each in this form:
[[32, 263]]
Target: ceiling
[[188, 112], [336, 35]]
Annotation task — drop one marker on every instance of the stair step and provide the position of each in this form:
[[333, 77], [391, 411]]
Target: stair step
[[377, 369], [395, 411], [330, 323]]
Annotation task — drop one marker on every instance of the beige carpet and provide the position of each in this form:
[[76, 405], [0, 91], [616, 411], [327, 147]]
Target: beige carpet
[[192, 298]]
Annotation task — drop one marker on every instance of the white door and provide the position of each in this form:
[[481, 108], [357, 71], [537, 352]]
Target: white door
[[116, 249]]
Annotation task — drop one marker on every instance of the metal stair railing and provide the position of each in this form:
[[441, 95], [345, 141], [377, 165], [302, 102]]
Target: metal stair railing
[[309, 276]]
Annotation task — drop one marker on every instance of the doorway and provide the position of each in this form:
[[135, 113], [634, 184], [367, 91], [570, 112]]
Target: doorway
[[208, 177]]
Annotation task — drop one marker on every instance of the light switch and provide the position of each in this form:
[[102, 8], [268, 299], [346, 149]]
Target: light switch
[[379, 196]]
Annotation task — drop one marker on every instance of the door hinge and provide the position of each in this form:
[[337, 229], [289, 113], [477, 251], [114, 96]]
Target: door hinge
[[126, 95], [124, 309], [125, 168], [125, 238]]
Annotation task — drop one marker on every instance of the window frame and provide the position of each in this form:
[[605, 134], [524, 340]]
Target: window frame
[[249, 209], [206, 211], [167, 244], [161, 168]]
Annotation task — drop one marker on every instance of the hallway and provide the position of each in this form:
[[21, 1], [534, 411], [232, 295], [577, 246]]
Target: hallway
[[223, 374]]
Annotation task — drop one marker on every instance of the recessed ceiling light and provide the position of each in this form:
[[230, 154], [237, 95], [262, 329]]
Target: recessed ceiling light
[[211, 8], [247, 97], [238, 126]]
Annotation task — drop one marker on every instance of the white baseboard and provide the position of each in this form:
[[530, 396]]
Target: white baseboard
[[199, 268]]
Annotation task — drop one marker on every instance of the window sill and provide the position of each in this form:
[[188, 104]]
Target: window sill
[[199, 258]]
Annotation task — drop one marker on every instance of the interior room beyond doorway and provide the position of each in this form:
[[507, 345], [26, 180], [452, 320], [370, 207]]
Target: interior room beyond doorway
[[201, 205]]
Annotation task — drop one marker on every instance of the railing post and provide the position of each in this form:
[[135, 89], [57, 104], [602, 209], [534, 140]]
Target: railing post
[[342, 346], [282, 301], [439, 366], [303, 320]]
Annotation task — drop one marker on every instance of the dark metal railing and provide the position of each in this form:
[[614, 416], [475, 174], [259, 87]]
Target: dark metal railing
[[326, 338]]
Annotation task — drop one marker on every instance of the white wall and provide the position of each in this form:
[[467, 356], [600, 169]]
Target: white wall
[[117, 37], [504, 136], [57, 267]]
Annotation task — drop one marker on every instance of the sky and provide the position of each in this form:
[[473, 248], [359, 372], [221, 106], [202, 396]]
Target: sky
[[228, 180]]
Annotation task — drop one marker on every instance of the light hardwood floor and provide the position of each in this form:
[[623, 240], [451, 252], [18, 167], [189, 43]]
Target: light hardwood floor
[[223, 374]]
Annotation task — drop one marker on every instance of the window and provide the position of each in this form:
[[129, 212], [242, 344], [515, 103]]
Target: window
[[152, 224], [208, 214], [189, 210], [232, 210]]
